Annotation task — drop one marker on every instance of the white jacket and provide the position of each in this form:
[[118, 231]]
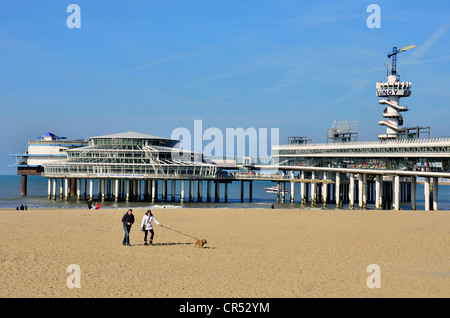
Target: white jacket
[[146, 223]]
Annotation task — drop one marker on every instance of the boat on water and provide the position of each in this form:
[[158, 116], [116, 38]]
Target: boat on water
[[274, 190]]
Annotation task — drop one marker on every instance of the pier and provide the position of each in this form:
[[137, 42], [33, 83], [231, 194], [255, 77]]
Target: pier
[[317, 187]]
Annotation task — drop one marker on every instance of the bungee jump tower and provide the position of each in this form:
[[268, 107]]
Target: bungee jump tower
[[394, 89]]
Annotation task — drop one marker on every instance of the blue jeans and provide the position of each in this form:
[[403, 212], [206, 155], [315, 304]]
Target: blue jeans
[[126, 238]]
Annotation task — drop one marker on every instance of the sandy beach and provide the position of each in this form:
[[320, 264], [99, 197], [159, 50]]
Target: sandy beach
[[250, 253]]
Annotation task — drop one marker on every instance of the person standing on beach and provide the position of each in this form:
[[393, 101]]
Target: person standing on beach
[[147, 226], [127, 221]]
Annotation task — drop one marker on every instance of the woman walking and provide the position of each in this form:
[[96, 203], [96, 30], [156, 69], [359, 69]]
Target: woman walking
[[147, 226]]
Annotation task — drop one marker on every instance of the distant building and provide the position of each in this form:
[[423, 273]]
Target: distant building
[[44, 149]]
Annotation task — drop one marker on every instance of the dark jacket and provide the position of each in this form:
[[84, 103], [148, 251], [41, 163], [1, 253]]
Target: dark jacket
[[128, 219]]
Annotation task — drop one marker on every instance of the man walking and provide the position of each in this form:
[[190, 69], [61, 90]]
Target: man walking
[[127, 221]]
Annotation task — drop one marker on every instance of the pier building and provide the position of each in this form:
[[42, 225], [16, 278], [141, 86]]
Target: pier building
[[44, 149], [127, 166]]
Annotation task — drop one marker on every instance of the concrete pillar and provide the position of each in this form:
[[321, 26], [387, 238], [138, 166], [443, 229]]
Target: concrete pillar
[[351, 192], [396, 192], [85, 189], [435, 193], [116, 191], [200, 191], [364, 194], [164, 190], [154, 185], [91, 188], [360, 191], [242, 191], [174, 187], [127, 198], [292, 193], [226, 192], [283, 191], [278, 191], [54, 188], [426, 187], [378, 192], [313, 189], [302, 188], [61, 188], [49, 180], [191, 190], [250, 191], [182, 183], [208, 191], [66, 189], [217, 196], [413, 192], [338, 189], [139, 190], [101, 189], [78, 189], [324, 189]]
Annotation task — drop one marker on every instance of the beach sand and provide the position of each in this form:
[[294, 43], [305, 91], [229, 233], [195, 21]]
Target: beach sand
[[250, 253]]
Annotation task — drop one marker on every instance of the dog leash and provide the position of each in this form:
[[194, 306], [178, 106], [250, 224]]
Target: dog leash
[[180, 232]]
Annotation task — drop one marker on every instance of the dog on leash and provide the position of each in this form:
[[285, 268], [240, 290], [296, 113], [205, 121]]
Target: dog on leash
[[200, 243]]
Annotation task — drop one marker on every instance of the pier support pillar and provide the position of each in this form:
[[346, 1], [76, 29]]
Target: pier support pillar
[[61, 188], [302, 188], [164, 190], [116, 191], [313, 189], [200, 191], [91, 188], [208, 191], [426, 189], [127, 198], [338, 189], [360, 191], [396, 193], [283, 192], [250, 191], [54, 189], [182, 183], [378, 178], [66, 189], [324, 189], [101, 189], [217, 192], [139, 190], [413, 192], [435, 193], [292, 193], [73, 187], [78, 189], [242, 191], [278, 191], [174, 187], [191, 190], [226, 192], [154, 185], [351, 192], [49, 188]]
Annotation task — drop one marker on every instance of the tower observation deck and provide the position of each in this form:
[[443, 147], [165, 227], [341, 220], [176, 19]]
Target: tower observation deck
[[394, 89]]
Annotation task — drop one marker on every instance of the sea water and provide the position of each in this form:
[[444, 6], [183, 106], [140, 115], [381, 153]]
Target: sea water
[[37, 197]]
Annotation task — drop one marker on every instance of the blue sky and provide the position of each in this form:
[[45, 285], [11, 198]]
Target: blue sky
[[152, 66]]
